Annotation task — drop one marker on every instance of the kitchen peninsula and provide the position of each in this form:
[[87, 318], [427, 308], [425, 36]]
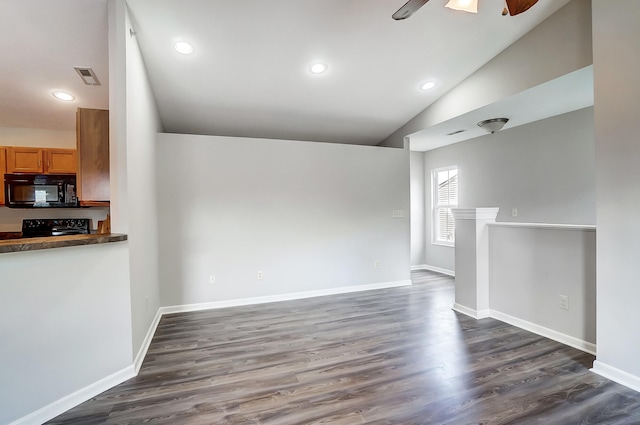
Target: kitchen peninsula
[[49, 242]]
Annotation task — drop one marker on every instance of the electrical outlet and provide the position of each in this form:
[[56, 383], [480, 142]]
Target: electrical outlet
[[514, 212], [259, 275], [564, 302], [212, 279], [376, 264]]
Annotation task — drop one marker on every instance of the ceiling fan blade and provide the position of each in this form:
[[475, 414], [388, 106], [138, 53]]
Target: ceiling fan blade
[[516, 7], [409, 9]]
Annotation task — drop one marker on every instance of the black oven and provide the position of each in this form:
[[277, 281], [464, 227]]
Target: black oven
[[40, 191]]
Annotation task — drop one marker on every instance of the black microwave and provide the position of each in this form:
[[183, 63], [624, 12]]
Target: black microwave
[[40, 191]]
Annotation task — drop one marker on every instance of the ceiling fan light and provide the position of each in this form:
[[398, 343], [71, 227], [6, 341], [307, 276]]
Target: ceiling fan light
[[493, 125], [470, 6]]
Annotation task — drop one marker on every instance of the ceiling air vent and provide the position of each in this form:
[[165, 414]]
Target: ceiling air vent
[[456, 132], [87, 75]]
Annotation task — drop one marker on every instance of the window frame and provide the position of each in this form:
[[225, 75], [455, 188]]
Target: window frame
[[435, 206]]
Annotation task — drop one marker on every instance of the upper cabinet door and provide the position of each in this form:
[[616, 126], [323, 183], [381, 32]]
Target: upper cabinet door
[[93, 156], [61, 161], [24, 160], [3, 170]]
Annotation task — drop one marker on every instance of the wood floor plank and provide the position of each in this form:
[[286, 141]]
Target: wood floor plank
[[391, 356]]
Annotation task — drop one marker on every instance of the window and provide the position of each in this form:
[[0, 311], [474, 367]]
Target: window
[[444, 198]]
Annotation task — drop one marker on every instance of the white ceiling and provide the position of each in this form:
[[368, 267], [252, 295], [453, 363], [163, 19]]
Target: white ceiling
[[249, 73], [41, 42]]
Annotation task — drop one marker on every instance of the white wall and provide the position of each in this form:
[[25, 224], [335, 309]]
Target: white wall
[[142, 126], [544, 169], [12, 136], [617, 125], [311, 216], [559, 45], [531, 267], [418, 192], [134, 123], [65, 323]]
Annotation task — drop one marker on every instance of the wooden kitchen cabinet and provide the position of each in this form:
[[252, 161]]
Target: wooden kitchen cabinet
[[92, 143], [3, 170], [24, 160], [60, 161], [40, 160]]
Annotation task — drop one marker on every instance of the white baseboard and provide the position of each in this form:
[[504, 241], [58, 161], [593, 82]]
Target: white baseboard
[[616, 375], [528, 326], [70, 401], [465, 310], [545, 332], [142, 352], [483, 314], [476, 314], [434, 269], [283, 297]]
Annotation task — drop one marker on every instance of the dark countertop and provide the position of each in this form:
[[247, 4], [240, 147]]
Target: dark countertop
[[10, 235], [10, 244]]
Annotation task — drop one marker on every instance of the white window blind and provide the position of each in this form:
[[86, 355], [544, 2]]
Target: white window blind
[[445, 198]]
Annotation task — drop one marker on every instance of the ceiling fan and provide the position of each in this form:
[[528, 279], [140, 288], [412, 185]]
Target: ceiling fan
[[513, 7]]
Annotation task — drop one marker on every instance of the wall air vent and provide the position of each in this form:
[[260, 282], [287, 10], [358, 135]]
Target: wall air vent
[[456, 132], [87, 75]]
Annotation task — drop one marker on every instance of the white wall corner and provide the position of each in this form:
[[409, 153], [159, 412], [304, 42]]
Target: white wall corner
[[482, 314], [137, 363], [616, 375], [70, 401]]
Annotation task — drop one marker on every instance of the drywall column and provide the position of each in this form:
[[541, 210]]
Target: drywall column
[[617, 107], [472, 260], [418, 209]]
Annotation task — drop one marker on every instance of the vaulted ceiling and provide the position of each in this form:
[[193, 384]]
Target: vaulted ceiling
[[249, 72]]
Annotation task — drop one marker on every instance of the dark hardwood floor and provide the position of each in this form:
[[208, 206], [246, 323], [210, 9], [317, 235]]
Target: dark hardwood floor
[[393, 356]]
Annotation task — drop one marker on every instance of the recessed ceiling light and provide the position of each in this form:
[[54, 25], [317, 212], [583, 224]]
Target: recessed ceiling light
[[428, 85], [63, 96], [318, 68], [183, 47]]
